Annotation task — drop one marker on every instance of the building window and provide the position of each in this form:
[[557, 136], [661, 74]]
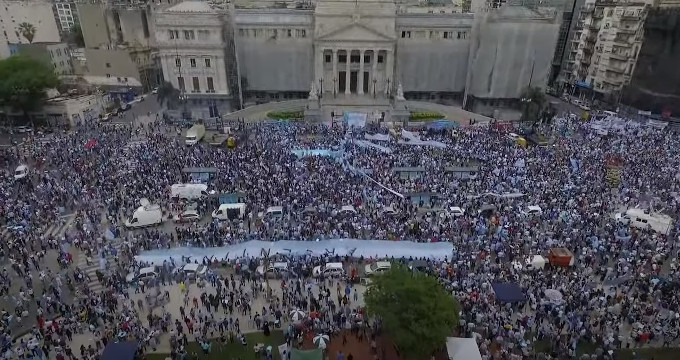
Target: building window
[[211, 85], [354, 59], [178, 62], [189, 35], [192, 62], [108, 75], [446, 34], [197, 87], [342, 58], [172, 34], [289, 32], [300, 33], [207, 63], [367, 59], [405, 34], [180, 83], [328, 58], [241, 32], [381, 59], [108, 65]]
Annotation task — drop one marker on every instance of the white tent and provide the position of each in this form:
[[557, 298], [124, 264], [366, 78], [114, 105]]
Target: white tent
[[462, 349]]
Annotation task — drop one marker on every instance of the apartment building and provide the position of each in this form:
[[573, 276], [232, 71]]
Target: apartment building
[[605, 45], [66, 14], [54, 55]]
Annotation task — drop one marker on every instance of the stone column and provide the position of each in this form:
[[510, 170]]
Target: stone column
[[347, 62], [389, 70], [335, 71], [360, 80], [374, 72], [319, 73]]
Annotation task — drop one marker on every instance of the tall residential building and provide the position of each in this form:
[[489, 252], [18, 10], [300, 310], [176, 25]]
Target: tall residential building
[[38, 13], [122, 31], [655, 85], [54, 55], [606, 44], [570, 14], [66, 13]]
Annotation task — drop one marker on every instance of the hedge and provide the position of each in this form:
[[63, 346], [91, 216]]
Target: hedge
[[424, 115], [286, 115]]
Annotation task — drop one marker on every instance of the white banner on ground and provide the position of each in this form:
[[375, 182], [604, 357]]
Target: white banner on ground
[[341, 247], [377, 137], [368, 144]]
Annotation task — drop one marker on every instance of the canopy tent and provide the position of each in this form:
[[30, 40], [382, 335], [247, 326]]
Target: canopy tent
[[462, 349], [124, 350], [315, 354], [508, 292]]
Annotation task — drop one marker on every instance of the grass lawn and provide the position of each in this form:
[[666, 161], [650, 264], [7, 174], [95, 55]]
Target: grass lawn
[[232, 351]]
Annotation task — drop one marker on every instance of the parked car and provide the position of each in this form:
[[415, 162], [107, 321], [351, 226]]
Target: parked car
[[193, 271], [187, 216], [144, 274]]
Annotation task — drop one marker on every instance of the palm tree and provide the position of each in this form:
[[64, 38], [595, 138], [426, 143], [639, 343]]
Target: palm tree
[[167, 94], [533, 100], [27, 30]]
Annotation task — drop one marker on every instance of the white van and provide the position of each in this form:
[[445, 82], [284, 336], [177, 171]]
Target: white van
[[188, 191], [643, 219], [377, 267], [145, 215], [329, 270], [20, 172], [274, 211], [277, 269], [143, 275], [193, 271], [230, 211]]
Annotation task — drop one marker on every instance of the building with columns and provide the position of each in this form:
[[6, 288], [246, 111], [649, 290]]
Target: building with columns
[[355, 48]]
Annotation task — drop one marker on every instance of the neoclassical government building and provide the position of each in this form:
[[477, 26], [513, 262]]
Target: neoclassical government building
[[478, 52]]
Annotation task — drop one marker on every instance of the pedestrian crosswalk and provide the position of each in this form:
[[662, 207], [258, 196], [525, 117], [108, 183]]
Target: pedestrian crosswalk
[[90, 269], [59, 228]]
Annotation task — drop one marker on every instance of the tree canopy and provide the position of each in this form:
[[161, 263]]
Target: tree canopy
[[168, 95], [415, 309], [24, 81], [534, 101]]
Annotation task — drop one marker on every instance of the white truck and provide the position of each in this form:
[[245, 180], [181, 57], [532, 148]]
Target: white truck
[[194, 134], [145, 215], [188, 191], [230, 211]]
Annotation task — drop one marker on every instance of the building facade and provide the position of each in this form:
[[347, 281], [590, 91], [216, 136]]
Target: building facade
[[606, 45], [355, 48], [55, 55]]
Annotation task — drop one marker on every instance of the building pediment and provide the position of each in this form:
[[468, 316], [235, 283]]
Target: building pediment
[[355, 32]]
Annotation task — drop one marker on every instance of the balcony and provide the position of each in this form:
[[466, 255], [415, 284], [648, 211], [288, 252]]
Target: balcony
[[623, 44], [618, 57], [631, 17], [615, 70], [630, 31]]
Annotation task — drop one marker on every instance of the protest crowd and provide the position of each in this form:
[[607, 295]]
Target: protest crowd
[[621, 291]]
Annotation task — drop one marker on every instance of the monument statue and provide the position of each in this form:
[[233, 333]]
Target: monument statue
[[312, 92], [400, 93]]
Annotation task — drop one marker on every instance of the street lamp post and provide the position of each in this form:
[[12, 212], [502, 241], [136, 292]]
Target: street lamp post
[[320, 88], [334, 81], [387, 91], [374, 82]]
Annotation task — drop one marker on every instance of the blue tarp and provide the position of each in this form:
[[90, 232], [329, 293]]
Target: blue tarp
[[124, 350], [508, 292]]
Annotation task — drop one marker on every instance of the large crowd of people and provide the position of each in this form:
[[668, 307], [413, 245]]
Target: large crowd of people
[[620, 293]]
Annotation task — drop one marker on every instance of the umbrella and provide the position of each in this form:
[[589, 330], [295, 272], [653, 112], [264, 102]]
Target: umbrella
[[553, 295], [297, 315], [91, 143], [321, 340]]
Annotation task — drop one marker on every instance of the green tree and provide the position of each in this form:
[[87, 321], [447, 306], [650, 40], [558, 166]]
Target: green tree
[[27, 30], [167, 94], [76, 35], [415, 309], [533, 102], [24, 81]]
